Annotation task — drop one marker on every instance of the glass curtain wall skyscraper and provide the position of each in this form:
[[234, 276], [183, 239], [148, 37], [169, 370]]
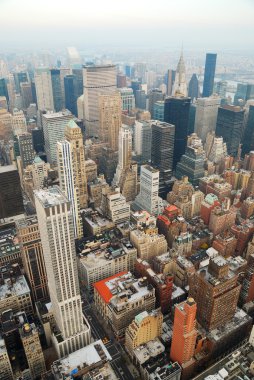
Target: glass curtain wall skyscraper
[[210, 66]]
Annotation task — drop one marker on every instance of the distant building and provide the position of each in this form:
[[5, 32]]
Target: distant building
[[210, 66], [158, 110], [128, 99], [180, 86], [44, 92], [206, 116], [193, 90], [71, 93], [57, 93], [154, 96]]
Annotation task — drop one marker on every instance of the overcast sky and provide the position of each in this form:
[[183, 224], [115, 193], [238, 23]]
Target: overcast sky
[[225, 24]]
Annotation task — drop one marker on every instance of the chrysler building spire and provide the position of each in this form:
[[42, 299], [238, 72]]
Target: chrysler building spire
[[180, 86]]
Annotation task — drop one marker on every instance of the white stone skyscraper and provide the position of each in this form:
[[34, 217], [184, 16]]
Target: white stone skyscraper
[[206, 115], [57, 237], [97, 80], [43, 86], [180, 85], [72, 172], [148, 197]]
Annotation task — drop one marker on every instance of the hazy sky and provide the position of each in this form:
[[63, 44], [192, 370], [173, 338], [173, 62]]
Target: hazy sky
[[159, 23]]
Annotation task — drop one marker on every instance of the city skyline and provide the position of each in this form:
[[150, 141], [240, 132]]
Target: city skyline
[[161, 24]]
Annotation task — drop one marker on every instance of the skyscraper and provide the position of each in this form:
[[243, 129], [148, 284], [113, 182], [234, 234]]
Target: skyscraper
[[26, 149], [43, 86], [206, 115], [153, 96], [26, 93], [162, 152], [71, 93], [210, 66], [3, 88], [170, 81], [248, 136], [148, 197], [73, 56], [97, 80], [11, 201], [192, 162], [193, 90], [176, 112], [71, 171], [180, 86], [184, 332], [110, 119], [126, 172], [57, 236], [53, 129], [143, 140], [128, 99], [56, 90], [230, 127], [32, 257]]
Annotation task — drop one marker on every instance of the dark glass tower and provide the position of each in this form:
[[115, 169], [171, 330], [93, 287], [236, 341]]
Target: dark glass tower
[[71, 93], [56, 89], [176, 112], [230, 127], [78, 72], [20, 77], [210, 65], [193, 91], [11, 201], [248, 136], [162, 153], [3, 89]]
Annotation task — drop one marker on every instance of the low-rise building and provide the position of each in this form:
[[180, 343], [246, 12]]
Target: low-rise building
[[105, 262], [121, 297], [148, 245]]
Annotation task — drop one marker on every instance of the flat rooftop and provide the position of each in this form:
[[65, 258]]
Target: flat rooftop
[[85, 357], [17, 287], [8, 242], [7, 168], [53, 115], [149, 350], [52, 196]]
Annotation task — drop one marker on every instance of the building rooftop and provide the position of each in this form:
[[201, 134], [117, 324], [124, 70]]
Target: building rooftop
[[50, 197], [80, 359], [14, 287], [149, 350], [53, 115], [164, 372], [8, 242], [7, 168]]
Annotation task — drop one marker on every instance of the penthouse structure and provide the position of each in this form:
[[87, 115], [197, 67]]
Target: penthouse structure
[[119, 298]]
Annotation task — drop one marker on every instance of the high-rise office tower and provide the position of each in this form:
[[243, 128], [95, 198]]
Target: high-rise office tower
[[54, 125], [140, 99], [180, 85], [220, 88], [26, 149], [56, 90], [193, 90], [250, 92], [11, 201], [110, 119], [97, 80], [128, 99], [230, 127], [38, 140], [192, 162], [176, 112], [135, 85], [18, 122], [206, 115], [241, 93], [121, 80], [32, 257], [184, 332], [148, 197], [210, 66], [215, 287], [43, 86], [26, 93], [20, 77], [73, 56], [248, 136], [71, 93], [32, 346], [72, 173], [170, 81], [57, 237], [143, 140], [153, 96], [126, 172], [162, 152], [158, 110], [3, 88], [77, 70]]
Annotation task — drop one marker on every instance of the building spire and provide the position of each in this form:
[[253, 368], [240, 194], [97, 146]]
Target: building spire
[[180, 86]]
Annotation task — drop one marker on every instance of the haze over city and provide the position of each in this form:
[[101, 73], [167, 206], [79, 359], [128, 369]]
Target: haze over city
[[213, 24]]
